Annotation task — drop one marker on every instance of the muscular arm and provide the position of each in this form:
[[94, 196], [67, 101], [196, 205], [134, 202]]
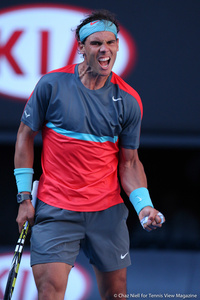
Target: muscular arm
[[132, 176], [24, 148], [24, 156], [131, 171]]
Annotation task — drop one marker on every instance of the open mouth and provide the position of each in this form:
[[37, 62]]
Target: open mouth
[[104, 62]]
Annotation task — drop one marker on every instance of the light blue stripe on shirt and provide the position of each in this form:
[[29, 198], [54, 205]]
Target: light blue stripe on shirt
[[82, 136]]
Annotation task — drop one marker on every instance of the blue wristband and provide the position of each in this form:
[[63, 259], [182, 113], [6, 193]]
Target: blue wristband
[[140, 198], [24, 177]]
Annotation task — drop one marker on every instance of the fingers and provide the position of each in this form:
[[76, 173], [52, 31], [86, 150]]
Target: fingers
[[160, 219], [26, 213], [21, 220], [150, 223], [21, 225]]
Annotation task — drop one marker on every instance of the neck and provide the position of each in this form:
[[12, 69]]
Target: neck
[[89, 79]]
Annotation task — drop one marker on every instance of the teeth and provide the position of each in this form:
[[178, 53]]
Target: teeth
[[104, 59]]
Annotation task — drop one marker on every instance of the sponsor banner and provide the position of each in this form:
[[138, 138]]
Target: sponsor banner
[[79, 283], [35, 39]]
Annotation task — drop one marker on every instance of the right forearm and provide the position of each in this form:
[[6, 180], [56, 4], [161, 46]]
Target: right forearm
[[24, 155], [23, 160], [24, 150]]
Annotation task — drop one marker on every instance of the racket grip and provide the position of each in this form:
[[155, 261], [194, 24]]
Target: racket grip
[[34, 192], [26, 225]]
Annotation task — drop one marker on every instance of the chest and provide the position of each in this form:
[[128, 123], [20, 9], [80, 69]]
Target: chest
[[94, 112]]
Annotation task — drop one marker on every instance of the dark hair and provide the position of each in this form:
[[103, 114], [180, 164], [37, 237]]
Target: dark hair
[[100, 14]]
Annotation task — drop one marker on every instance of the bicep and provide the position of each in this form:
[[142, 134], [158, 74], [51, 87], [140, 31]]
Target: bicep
[[25, 134], [25, 131]]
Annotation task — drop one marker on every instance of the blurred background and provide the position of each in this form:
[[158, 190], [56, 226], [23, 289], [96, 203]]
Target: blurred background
[[159, 58]]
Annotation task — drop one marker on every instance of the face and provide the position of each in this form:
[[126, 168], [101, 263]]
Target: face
[[100, 51]]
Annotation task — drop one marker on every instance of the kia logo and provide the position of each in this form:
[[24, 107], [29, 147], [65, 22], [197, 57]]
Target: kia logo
[[36, 39], [79, 283]]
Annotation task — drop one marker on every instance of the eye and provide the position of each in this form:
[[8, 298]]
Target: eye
[[111, 42], [95, 43]]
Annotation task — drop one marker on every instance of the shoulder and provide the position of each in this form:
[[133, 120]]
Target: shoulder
[[70, 69], [55, 77], [57, 73], [115, 79]]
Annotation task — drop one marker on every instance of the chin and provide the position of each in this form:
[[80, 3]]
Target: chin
[[104, 72]]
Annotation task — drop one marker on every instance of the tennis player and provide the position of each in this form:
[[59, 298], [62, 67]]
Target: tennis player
[[90, 121]]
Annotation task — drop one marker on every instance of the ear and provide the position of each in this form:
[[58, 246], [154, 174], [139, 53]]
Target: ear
[[81, 48]]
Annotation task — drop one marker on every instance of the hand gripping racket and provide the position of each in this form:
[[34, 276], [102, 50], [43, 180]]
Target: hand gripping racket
[[12, 276]]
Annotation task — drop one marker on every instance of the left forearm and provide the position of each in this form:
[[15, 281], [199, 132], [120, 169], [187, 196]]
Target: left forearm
[[134, 183], [132, 174]]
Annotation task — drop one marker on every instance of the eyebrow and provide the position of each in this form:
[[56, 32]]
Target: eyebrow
[[100, 41]]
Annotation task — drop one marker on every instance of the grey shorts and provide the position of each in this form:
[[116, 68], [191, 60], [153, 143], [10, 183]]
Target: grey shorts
[[58, 235]]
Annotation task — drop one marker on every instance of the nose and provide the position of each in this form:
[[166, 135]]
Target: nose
[[104, 47]]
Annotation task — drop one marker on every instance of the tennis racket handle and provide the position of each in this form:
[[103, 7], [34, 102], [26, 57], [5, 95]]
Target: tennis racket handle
[[34, 192], [26, 225]]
